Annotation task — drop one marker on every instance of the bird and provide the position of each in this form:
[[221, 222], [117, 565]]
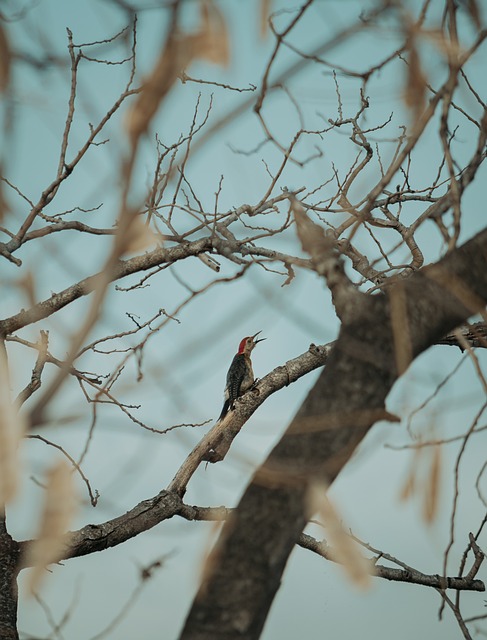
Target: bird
[[240, 376]]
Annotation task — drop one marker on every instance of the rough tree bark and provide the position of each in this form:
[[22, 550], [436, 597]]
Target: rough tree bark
[[245, 569], [9, 553]]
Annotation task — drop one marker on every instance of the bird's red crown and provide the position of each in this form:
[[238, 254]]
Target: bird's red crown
[[242, 344]]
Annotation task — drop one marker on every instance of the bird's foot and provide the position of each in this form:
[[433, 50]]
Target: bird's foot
[[254, 384]]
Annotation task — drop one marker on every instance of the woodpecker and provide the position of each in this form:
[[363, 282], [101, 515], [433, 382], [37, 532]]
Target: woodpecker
[[240, 376]]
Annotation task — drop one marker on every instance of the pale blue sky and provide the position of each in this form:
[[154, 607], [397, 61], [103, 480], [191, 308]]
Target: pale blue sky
[[186, 363]]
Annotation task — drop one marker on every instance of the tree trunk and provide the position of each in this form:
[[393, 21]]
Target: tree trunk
[[374, 347], [9, 553]]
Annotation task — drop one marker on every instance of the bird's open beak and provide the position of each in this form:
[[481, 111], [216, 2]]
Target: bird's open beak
[[260, 339]]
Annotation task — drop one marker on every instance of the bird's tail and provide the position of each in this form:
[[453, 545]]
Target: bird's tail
[[226, 407]]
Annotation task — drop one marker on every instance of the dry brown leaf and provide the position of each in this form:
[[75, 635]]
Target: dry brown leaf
[[5, 59], [416, 81], [312, 237], [212, 42], [265, 12], [12, 429], [343, 548], [474, 13], [27, 284], [409, 486], [211, 556], [140, 236], [175, 56], [432, 489], [424, 480], [447, 46], [56, 517], [4, 207], [401, 331]]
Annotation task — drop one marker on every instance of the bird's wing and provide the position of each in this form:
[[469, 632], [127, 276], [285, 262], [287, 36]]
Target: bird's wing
[[235, 376]]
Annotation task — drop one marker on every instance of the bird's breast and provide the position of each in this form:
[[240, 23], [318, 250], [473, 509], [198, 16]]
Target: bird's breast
[[248, 379]]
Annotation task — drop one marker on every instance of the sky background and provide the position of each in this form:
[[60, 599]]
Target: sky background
[[186, 363]]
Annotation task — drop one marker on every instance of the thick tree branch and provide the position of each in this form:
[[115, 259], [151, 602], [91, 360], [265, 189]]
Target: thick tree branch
[[475, 334], [409, 575], [321, 548], [124, 268], [140, 263], [215, 445], [97, 537]]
